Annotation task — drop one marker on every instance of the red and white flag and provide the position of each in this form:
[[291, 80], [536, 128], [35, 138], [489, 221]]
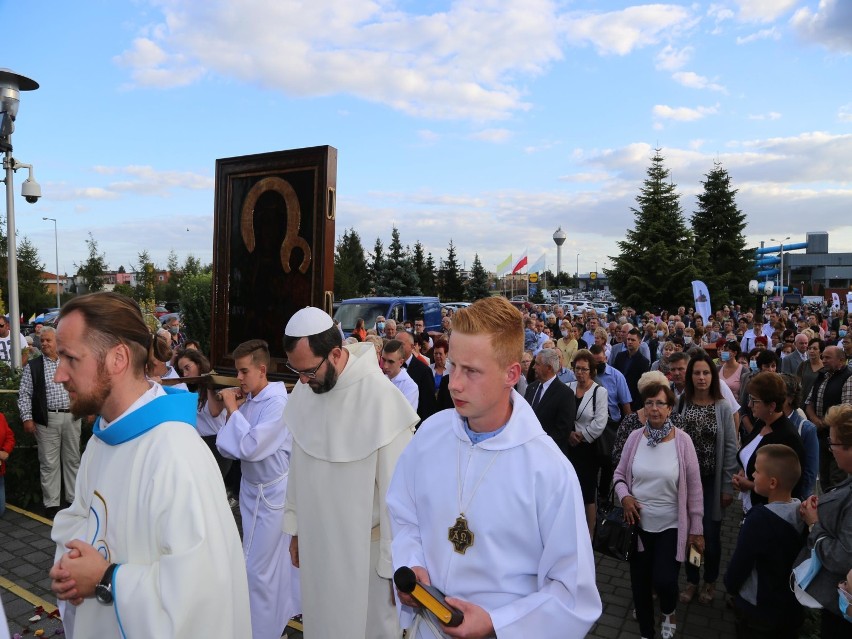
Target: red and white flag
[[521, 263]]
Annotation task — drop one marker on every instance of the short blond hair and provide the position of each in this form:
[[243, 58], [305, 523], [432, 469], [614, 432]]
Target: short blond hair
[[839, 418], [500, 320]]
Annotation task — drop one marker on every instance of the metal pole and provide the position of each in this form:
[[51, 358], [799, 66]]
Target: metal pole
[[14, 307]]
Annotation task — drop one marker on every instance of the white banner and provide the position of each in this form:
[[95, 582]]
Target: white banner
[[702, 300], [835, 301]]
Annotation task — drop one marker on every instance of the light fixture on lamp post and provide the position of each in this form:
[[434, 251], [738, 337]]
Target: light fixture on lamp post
[[56, 239], [781, 266], [11, 84]]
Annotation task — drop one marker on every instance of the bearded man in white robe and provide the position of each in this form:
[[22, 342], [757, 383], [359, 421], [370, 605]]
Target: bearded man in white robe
[[485, 507], [349, 426], [149, 547]]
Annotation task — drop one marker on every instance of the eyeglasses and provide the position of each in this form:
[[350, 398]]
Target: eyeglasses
[[832, 445], [655, 404], [311, 373], [581, 369], [755, 400]]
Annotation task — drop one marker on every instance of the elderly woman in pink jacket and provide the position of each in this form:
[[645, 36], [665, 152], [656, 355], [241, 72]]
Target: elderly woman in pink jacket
[[659, 485]]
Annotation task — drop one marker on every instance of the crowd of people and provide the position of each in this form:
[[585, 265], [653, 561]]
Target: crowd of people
[[476, 456]]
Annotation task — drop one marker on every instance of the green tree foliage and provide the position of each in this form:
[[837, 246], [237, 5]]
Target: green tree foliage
[[92, 270], [451, 286], [429, 278], [655, 266], [191, 266], [170, 291], [477, 285], [351, 275], [425, 268], [146, 278], [196, 300], [32, 292], [725, 263], [397, 276], [377, 263]]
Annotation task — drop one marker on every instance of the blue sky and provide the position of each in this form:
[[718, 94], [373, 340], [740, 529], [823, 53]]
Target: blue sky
[[488, 122]]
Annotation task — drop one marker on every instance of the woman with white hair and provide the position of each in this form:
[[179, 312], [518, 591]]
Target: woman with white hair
[[636, 420]]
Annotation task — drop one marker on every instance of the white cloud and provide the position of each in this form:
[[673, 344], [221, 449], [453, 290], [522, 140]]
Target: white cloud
[[764, 10], [830, 24], [465, 62], [695, 81], [683, 114], [543, 146], [772, 115], [491, 135], [672, 59], [427, 135], [764, 34], [719, 13], [844, 113], [620, 32]]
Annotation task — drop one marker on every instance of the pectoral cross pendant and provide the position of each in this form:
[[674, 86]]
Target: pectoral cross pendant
[[460, 536]]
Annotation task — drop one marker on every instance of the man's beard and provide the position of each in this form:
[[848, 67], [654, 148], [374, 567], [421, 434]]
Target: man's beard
[[327, 383], [93, 402]]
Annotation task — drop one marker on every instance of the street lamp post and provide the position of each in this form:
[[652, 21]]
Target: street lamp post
[[781, 266], [11, 84], [56, 239]]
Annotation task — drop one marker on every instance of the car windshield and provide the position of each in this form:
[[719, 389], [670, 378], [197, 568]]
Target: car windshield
[[348, 313]]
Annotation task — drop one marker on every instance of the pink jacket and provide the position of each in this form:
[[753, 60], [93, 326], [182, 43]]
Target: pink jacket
[[690, 497]]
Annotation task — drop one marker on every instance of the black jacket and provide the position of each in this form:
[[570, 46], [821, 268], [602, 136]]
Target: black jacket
[[556, 411]]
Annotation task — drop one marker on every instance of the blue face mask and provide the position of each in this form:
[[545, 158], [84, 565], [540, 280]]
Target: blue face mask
[[842, 333], [724, 356], [845, 603], [659, 334], [380, 326], [753, 365]]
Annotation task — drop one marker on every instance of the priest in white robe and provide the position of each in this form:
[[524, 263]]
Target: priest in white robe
[[149, 547], [485, 507], [349, 427]]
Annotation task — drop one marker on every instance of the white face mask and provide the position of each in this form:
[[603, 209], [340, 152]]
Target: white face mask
[[687, 339]]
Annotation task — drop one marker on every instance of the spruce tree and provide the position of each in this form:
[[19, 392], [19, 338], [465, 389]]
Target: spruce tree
[[655, 266], [726, 264], [477, 286], [452, 288], [351, 276], [92, 270], [32, 291], [398, 276], [377, 263], [428, 279]]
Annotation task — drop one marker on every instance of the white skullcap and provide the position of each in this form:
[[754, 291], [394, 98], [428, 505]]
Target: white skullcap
[[308, 321]]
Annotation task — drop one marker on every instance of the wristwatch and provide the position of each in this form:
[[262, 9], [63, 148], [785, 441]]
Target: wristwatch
[[103, 591]]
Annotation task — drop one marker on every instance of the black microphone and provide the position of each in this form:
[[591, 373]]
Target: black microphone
[[429, 597]]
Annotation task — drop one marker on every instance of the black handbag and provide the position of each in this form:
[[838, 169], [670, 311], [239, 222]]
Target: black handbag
[[613, 537]]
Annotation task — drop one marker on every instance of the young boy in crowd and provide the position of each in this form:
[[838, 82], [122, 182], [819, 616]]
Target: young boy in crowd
[[771, 537]]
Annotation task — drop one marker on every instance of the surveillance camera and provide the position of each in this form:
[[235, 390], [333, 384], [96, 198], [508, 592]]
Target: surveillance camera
[[31, 190]]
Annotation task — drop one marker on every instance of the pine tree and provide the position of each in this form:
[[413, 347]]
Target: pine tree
[[477, 286], [351, 277], [425, 269], [725, 262], [451, 287], [655, 267], [32, 291], [398, 276], [377, 263]]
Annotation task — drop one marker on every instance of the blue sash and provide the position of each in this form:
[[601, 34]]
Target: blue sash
[[176, 406]]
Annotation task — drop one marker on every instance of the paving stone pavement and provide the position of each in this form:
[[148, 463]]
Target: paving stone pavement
[[26, 554]]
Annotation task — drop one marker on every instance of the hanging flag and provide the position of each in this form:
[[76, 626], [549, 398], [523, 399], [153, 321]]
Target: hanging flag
[[538, 265], [702, 300], [504, 266], [521, 263]]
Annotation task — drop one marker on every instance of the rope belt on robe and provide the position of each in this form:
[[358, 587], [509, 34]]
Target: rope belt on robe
[[260, 496]]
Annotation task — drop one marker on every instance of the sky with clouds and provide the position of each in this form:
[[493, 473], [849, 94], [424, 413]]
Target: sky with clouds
[[488, 122]]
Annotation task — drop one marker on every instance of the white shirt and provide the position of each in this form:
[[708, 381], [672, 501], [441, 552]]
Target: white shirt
[[744, 455], [5, 345], [655, 476], [407, 386]]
